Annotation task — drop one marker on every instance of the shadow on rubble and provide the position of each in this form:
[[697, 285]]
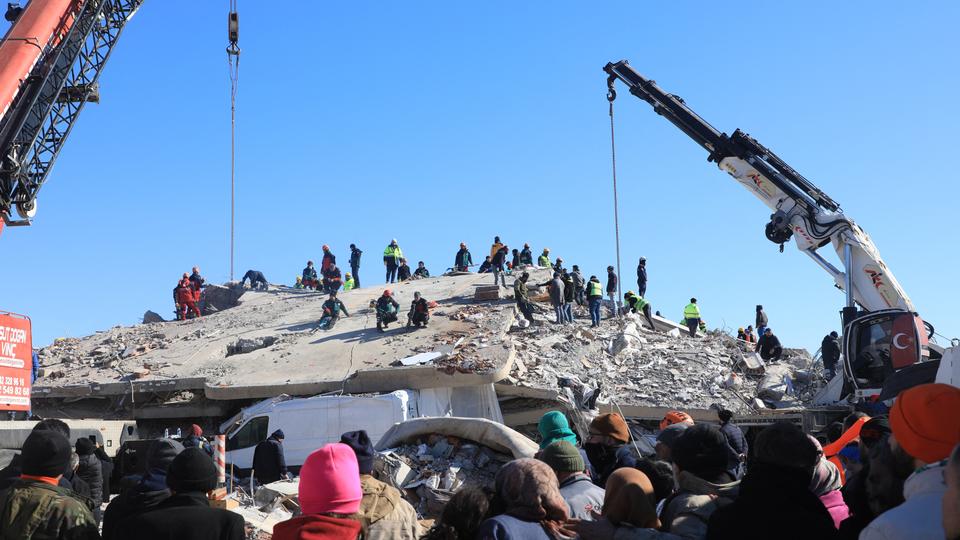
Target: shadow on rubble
[[361, 335]]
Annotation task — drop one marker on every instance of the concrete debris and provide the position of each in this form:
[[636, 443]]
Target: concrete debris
[[248, 345], [152, 317], [219, 297]]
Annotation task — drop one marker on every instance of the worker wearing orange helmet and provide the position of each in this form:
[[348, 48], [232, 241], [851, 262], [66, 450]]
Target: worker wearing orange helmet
[[387, 308], [186, 302], [675, 417], [329, 259]]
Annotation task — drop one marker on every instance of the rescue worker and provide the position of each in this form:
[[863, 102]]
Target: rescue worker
[[419, 311], [830, 354], [299, 283], [642, 277], [257, 281], [348, 283], [762, 320], [769, 346], [391, 259], [386, 310], [522, 297], [555, 287], [403, 272], [741, 334], [495, 247], [544, 259], [485, 266], [637, 304], [595, 300], [196, 283], [463, 261], [558, 266], [568, 296], [612, 285], [526, 256], [355, 254], [310, 280], [578, 285], [691, 316], [331, 311], [496, 265], [329, 259], [751, 337], [332, 280], [186, 299], [421, 272], [515, 262]]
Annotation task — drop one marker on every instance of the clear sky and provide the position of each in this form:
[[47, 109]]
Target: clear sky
[[441, 122]]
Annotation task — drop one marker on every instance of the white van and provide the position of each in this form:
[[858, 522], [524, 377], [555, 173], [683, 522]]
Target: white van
[[310, 423]]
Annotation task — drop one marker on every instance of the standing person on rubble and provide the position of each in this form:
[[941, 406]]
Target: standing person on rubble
[[642, 277], [751, 338], [403, 271], [515, 263], [419, 314], [762, 320], [269, 464], [329, 259], [186, 299], [463, 261], [196, 283], [830, 354], [331, 312], [555, 288], [332, 279], [691, 317], [355, 254], [595, 300], [578, 285], [384, 513], [769, 346], [612, 286], [577, 489], [526, 256], [387, 309], [497, 263], [497, 245], [543, 260], [309, 277], [569, 296], [637, 304], [391, 259], [607, 446], [522, 297]]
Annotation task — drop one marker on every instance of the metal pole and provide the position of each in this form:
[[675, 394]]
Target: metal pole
[[616, 208], [848, 277], [233, 60]]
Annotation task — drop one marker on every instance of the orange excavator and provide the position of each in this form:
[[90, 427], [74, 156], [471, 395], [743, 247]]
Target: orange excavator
[[50, 61]]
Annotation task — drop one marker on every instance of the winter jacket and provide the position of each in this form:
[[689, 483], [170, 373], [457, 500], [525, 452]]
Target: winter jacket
[[624, 457], [386, 304], [556, 292], [830, 351], [192, 441], [769, 346], [463, 259], [520, 293], [421, 273], [355, 254], [499, 258], [761, 319], [495, 248], [686, 512], [611, 282], [920, 515], [309, 274], [106, 470], [582, 495], [40, 511], [329, 259], [833, 502], [526, 256], [11, 473], [149, 492], [184, 516], [196, 281], [92, 473], [316, 527], [334, 307], [385, 513], [568, 292], [641, 273], [392, 255], [504, 527], [578, 281], [80, 489], [485, 267], [736, 442], [403, 273], [595, 289], [269, 464], [773, 503], [184, 294]]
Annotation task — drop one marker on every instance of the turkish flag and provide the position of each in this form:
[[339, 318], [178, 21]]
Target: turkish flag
[[907, 337]]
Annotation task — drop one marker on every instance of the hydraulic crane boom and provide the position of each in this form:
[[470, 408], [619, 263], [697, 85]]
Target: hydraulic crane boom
[[800, 209]]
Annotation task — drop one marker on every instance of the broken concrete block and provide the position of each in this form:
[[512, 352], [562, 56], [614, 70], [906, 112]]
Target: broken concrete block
[[218, 298], [152, 317]]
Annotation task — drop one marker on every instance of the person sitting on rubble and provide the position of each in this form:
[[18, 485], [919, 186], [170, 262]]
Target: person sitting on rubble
[[461, 516], [527, 504], [543, 260], [607, 446], [331, 312], [403, 271], [332, 279], [636, 304], [387, 309], [384, 513], [463, 260], [769, 346], [526, 256], [298, 283], [257, 281], [486, 266], [421, 272], [196, 283], [310, 280], [329, 494], [186, 300], [419, 314], [577, 489], [348, 283], [741, 334]]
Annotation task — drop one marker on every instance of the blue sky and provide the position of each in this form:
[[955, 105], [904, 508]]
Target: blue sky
[[441, 122]]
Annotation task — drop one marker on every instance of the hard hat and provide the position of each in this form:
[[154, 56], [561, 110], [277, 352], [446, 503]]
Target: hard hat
[[675, 417], [560, 259], [740, 329], [326, 247], [387, 292], [348, 274], [299, 279], [546, 250], [393, 241]]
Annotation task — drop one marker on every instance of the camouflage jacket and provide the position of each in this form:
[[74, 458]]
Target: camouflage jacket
[[33, 509]]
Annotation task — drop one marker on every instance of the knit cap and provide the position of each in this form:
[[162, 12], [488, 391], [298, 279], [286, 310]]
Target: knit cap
[[553, 427], [330, 481], [671, 433], [192, 470], [925, 421], [84, 447], [701, 450], [359, 441], [196, 430], [161, 453], [45, 453], [563, 457], [612, 425]]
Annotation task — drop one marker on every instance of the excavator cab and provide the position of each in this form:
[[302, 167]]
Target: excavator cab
[[878, 346]]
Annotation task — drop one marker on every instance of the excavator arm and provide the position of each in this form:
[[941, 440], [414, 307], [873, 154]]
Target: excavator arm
[[800, 209]]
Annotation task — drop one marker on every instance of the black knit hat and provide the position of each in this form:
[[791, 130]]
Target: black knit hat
[[359, 441], [45, 453], [161, 453], [85, 446], [192, 470], [702, 451]]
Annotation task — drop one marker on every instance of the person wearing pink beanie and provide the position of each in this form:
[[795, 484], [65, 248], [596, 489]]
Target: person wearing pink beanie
[[329, 495]]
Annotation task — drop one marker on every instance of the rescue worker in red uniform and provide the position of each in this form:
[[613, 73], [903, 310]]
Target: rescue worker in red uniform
[[329, 259], [332, 280], [196, 283], [185, 299]]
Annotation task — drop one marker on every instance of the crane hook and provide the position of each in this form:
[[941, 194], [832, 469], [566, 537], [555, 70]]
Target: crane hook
[[611, 91]]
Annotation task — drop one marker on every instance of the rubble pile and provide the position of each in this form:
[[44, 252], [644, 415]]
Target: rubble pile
[[632, 365], [112, 349]]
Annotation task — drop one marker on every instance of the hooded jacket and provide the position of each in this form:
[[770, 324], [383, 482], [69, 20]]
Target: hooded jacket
[[686, 513], [316, 527], [92, 473], [920, 515], [184, 516], [268, 461], [386, 514], [34, 509]]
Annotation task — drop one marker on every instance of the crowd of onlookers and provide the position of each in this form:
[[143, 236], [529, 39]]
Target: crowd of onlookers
[[886, 477]]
